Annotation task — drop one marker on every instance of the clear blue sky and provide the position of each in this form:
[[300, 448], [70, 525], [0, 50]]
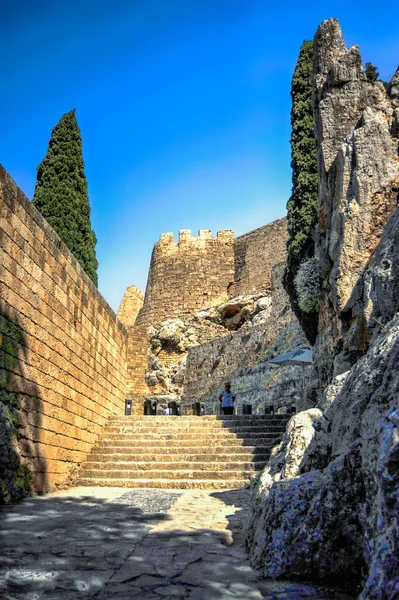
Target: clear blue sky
[[183, 105]]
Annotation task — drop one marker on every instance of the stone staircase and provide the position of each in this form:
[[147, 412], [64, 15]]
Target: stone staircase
[[182, 452]]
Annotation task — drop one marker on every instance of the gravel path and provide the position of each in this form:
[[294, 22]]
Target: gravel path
[[103, 543]]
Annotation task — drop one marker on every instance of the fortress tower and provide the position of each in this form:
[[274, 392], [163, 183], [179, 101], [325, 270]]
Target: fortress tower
[[187, 275], [191, 274]]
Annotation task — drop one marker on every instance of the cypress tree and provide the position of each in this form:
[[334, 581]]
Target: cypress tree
[[61, 193], [302, 205], [371, 72]]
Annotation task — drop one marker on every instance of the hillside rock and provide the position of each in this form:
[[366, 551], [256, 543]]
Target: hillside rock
[[171, 340], [339, 519], [358, 188], [327, 505]]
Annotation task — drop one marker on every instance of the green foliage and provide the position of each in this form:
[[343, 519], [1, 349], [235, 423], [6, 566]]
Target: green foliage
[[302, 205], [61, 193], [371, 72], [308, 285]]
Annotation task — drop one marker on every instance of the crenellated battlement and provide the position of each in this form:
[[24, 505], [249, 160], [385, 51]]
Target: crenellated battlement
[[204, 235], [197, 270]]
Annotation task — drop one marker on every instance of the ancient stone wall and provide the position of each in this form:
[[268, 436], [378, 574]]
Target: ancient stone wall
[[137, 360], [62, 349], [130, 305], [188, 274], [255, 254]]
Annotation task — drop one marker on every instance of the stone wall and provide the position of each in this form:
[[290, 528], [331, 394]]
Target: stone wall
[[130, 305], [188, 274], [63, 353], [255, 254], [137, 360]]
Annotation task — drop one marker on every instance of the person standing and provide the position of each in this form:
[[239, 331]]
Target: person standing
[[227, 399]]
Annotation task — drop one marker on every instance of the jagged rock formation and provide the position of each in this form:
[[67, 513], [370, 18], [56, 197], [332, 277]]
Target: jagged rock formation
[[171, 340], [327, 505], [190, 359], [242, 358], [358, 188]]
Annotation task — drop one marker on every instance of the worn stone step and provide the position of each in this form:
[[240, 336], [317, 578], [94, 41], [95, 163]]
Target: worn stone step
[[156, 449], [183, 436], [176, 484], [196, 429], [179, 465], [149, 458], [145, 444], [171, 420], [171, 474]]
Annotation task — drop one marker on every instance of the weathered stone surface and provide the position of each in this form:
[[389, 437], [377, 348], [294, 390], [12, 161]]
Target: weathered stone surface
[[130, 305], [358, 182], [393, 89], [171, 340], [334, 514], [342, 518], [242, 356], [255, 254], [147, 544], [62, 353]]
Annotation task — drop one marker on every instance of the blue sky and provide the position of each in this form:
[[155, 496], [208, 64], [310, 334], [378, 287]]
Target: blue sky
[[183, 105]]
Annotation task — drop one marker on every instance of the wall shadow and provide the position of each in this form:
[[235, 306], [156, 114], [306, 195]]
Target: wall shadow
[[84, 547], [22, 467]]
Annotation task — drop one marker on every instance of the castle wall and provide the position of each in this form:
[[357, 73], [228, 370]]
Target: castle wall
[[62, 351], [187, 275], [255, 254], [130, 305]]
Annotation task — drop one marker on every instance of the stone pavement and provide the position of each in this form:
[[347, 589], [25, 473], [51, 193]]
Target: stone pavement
[[102, 543]]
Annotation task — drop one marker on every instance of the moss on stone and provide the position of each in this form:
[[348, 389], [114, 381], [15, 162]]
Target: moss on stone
[[15, 479]]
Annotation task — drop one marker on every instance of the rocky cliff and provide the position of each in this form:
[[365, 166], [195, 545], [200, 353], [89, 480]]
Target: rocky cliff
[[190, 359], [327, 505]]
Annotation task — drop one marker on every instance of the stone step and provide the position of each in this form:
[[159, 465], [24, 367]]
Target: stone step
[[159, 450], [176, 484], [149, 458], [183, 436], [181, 465], [145, 444], [143, 468], [170, 474], [196, 429], [171, 420]]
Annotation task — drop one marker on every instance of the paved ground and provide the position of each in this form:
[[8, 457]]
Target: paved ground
[[102, 543]]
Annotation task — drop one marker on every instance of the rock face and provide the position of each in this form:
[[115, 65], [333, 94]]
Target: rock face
[[270, 329], [171, 340], [327, 505], [191, 358], [358, 189]]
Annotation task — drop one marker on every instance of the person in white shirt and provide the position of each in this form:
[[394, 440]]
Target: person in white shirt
[[227, 399]]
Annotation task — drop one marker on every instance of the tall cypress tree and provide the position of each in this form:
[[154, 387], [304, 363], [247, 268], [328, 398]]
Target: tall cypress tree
[[302, 205], [61, 193]]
